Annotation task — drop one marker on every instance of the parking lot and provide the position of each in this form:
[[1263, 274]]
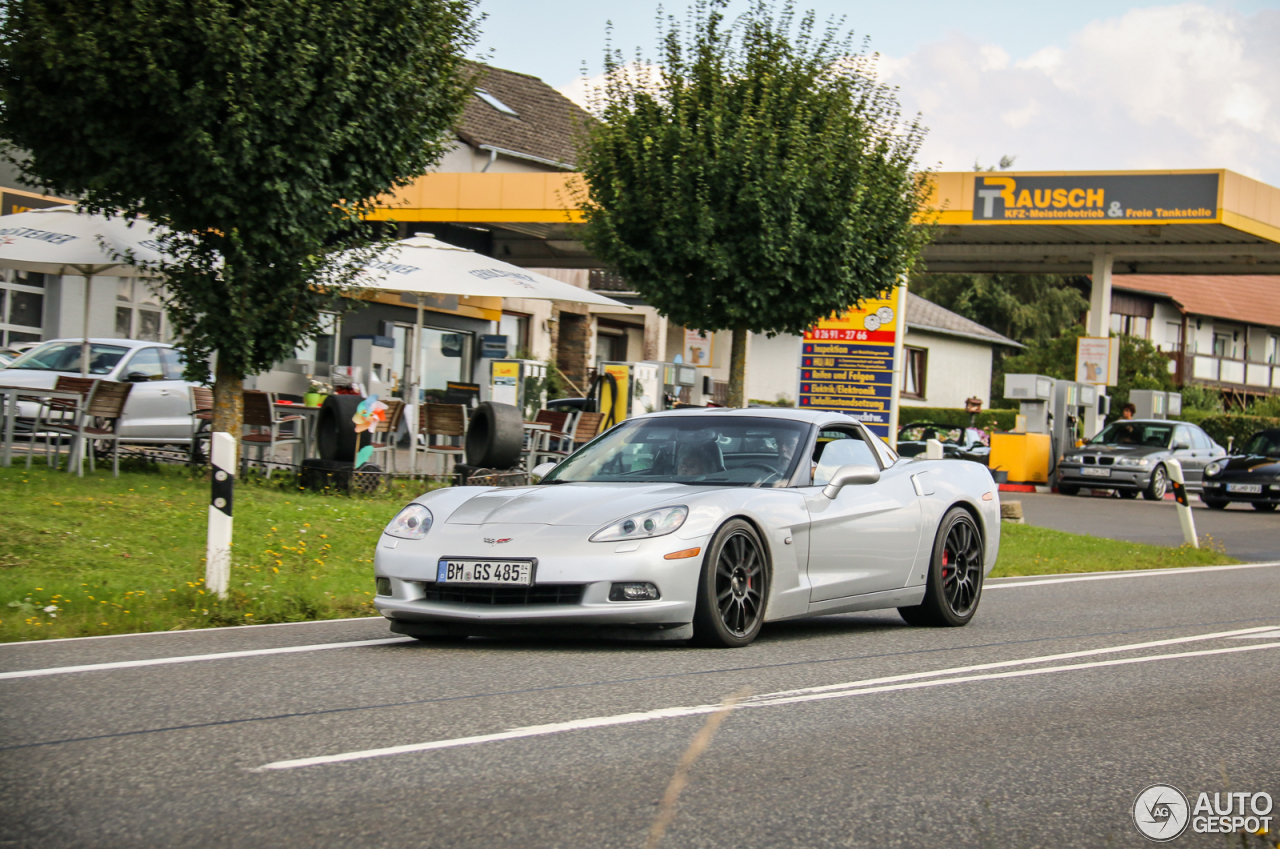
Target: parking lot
[[1245, 533]]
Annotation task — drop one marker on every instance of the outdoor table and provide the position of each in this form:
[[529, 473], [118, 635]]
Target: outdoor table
[[10, 394], [310, 419]]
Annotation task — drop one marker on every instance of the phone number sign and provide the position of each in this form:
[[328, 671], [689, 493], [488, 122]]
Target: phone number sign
[[846, 363]]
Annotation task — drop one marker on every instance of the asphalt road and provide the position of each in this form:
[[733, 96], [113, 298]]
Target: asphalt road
[[1245, 533], [1102, 685]]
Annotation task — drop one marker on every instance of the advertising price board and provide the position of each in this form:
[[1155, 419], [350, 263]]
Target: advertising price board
[[847, 363]]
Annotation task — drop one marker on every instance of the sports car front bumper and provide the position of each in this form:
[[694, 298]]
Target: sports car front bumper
[[571, 586]]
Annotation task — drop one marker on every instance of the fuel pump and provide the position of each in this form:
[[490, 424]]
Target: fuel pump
[[1070, 402], [1026, 453], [506, 381]]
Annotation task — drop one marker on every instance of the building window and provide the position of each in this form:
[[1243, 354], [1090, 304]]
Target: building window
[[1273, 350], [1172, 337], [1224, 345], [915, 370], [1130, 325], [139, 314], [21, 307]]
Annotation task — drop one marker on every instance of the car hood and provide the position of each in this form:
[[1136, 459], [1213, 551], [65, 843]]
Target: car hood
[[569, 504], [1121, 450], [1253, 464]]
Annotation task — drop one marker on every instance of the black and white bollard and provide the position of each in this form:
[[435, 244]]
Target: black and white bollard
[[222, 459], [1184, 506]]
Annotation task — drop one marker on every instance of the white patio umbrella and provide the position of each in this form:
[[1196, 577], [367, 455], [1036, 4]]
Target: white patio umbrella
[[427, 266], [62, 240]]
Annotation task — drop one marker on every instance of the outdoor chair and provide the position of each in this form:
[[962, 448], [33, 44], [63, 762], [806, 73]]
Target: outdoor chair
[[100, 422], [201, 419], [56, 411], [441, 428], [261, 413], [553, 444], [586, 428], [384, 433]]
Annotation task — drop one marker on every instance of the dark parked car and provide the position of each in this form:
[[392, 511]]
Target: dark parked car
[[1129, 456], [958, 443], [1250, 477]]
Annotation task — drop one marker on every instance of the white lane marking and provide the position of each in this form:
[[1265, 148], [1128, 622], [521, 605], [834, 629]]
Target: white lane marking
[[1262, 635], [1133, 573], [760, 701], [1241, 634], [220, 629], [192, 658]]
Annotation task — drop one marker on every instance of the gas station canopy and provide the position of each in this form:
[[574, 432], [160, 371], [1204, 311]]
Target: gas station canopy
[[1148, 222], [1142, 222]]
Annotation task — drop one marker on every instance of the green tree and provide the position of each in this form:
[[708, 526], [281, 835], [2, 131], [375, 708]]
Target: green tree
[[759, 179], [258, 131], [1027, 308]]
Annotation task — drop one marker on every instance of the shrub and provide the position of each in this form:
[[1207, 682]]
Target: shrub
[[957, 417], [1235, 429]]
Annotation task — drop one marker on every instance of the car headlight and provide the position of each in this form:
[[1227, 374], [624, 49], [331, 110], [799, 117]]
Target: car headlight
[[412, 522], [1213, 469], [650, 523], [1132, 461]]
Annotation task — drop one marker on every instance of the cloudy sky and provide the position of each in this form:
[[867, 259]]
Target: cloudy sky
[[1081, 85]]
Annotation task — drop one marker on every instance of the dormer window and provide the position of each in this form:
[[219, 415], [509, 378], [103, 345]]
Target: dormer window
[[496, 103]]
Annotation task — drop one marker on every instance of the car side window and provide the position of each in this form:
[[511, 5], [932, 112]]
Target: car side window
[[1200, 439], [1183, 434], [147, 362], [171, 359], [837, 447]]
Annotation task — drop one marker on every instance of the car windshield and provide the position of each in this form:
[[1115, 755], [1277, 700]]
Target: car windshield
[[65, 356], [921, 432], [1264, 445], [1135, 433], [711, 450]]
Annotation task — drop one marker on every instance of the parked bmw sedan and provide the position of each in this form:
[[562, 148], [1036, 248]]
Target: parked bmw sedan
[[701, 524], [1130, 456], [1250, 477], [159, 407]]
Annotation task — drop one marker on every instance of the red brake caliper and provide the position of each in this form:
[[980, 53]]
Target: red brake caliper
[[945, 561]]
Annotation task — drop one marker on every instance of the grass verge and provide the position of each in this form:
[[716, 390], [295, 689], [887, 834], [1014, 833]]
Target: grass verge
[[1027, 550], [95, 555]]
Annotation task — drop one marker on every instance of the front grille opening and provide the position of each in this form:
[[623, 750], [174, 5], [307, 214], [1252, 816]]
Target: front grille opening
[[1089, 461], [498, 596], [1107, 461]]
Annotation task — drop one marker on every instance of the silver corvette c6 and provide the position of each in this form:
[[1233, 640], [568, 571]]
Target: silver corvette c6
[[697, 524]]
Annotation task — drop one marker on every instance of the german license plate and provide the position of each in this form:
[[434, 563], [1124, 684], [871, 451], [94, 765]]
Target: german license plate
[[1095, 472], [493, 572], [1245, 488]]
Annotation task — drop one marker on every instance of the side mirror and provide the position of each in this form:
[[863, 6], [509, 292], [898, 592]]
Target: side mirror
[[853, 474], [540, 471], [137, 377], [1182, 445]]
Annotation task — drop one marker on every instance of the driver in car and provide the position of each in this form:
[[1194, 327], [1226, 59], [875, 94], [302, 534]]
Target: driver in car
[[697, 459]]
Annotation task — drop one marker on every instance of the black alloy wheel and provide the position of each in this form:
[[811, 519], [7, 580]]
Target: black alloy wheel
[[1159, 485], [733, 589], [954, 583]]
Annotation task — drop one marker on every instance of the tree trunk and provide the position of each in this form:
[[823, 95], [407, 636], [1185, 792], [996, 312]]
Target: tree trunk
[[738, 368], [228, 401]]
